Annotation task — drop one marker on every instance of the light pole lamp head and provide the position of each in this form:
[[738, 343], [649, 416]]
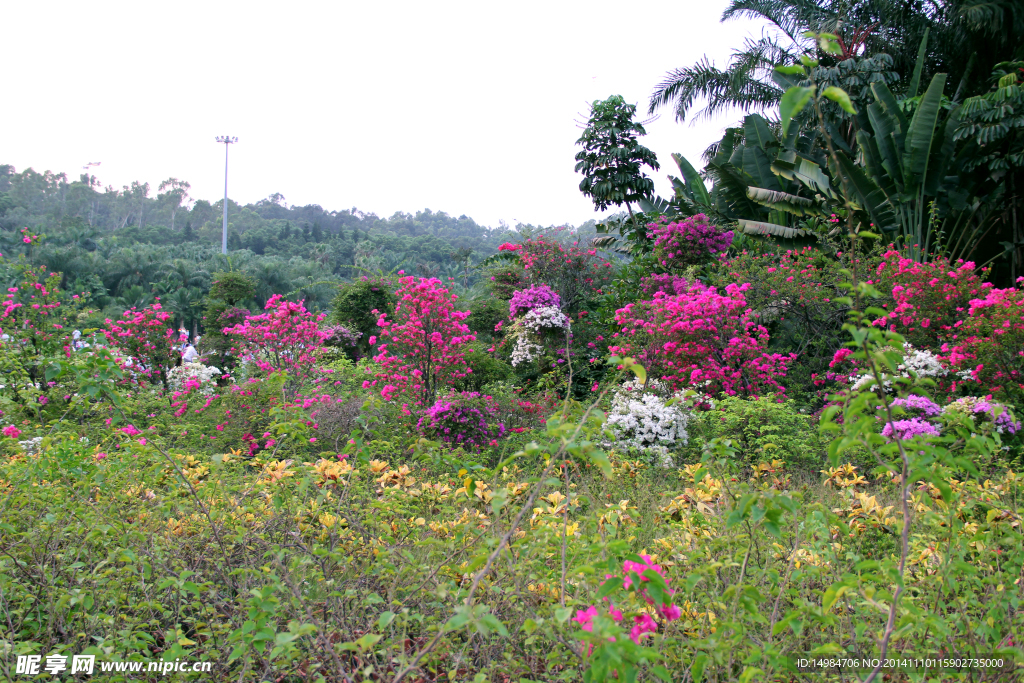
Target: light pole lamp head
[[226, 139]]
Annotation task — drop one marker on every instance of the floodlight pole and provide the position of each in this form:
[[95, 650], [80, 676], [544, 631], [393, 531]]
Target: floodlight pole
[[226, 140]]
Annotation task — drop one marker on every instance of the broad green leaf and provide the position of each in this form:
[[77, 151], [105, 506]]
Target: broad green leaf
[[921, 134], [922, 52], [794, 70], [762, 228], [368, 641], [839, 96], [697, 668], [793, 102], [693, 180]]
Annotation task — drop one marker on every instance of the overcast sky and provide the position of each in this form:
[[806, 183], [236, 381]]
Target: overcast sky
[[464, 107]]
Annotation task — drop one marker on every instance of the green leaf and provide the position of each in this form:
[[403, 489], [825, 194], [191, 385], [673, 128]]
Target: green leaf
[[783, 201], [793, 102], [491, 622], [839, 96], [697, 668], [693, 180], [915, 80], [867, 194], [794, 70], [385, 619], [368, 641], [762, 228], [918, 143], [562, 614], [609, 586]]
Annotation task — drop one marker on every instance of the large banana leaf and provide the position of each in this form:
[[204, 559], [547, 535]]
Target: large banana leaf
[[885, 127], [693, 180], [806, 172], [867, 195], [782, 201], [921, 134], [762, 228]]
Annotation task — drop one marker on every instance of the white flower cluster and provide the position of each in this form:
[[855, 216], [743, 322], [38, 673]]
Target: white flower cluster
[[643, 420], [529, 326], [31, 446], [206, 375], [916, 362]]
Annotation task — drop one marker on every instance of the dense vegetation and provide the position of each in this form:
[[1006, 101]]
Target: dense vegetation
[[126, 247], [774, 417]]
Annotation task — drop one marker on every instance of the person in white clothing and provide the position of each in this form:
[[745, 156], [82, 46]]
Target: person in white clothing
[[190, 355]]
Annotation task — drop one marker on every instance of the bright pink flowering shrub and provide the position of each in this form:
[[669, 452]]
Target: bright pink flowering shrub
[[701, 338], [688, 242], [572, 272], [286, 337], [467, 419], [928, 298], [664, 283], [422, 344], [989, 341], [148, 337], [11, 432], [643, 572]]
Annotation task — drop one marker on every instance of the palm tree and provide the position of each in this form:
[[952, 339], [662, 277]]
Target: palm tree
[[864, 28], [134, 297], [185, 304], [130, 267], [270, 279]]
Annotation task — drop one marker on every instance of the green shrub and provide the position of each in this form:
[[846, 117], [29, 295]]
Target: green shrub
[[486, 369], [354, 304], [762, 429], [485, 314]]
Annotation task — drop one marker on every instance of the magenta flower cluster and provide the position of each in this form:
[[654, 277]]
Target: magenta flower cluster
[[922, 404], [687, 242], [643, 624], [467, 419], [908, 429], [671, 285], [538, 296]]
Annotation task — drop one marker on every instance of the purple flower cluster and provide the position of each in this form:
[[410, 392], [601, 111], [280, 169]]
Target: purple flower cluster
[[908, 429], [923, 404], [670, 285], [538, 296], [466, 419], [687, 242], [342, 336], [982, 408]]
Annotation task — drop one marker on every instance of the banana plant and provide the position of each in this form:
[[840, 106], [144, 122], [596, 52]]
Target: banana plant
[[900, 178]]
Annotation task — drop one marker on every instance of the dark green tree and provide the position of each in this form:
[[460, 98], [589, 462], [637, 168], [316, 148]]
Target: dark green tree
[[228, 293], [354, 304], [612, 159]]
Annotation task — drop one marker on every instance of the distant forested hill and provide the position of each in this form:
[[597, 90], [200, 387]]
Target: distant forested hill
[[128, 246]]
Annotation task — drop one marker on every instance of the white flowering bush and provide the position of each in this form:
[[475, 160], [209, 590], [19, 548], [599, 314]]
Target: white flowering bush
[[205, 375], [644, 420], [528, 329], [916, 362]]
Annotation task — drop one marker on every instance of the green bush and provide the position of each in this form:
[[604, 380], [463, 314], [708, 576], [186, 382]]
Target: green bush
[[354, 304], [485, 314], [486, 369], [762, 429]]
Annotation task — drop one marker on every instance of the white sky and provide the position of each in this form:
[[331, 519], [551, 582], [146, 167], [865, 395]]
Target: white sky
[[464, 107]]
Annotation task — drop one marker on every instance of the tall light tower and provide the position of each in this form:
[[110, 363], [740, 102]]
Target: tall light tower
[[227, 140]]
